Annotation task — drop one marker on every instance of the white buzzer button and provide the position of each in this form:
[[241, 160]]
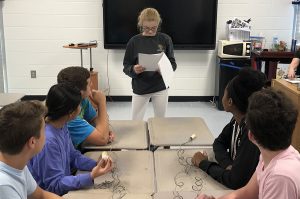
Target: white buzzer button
[[104, 155], [193, 136]]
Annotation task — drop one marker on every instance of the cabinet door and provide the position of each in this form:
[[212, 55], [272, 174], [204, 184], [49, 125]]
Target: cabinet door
[[291, 92], [94, 80]]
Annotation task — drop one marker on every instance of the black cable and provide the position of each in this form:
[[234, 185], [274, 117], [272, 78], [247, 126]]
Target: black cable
[[186, 163], [118, 189]]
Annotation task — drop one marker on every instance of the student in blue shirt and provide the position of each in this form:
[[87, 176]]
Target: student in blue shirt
[[90, 126], [22, 136], [52, 167]]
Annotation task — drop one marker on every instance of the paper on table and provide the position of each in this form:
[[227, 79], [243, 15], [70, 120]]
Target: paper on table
[[293, 81], [166, 70], [149, 61]]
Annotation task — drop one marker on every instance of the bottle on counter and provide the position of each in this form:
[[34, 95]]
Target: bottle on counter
[[275, 43]]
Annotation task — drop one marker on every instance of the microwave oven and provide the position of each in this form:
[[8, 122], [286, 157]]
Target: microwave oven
[[234, 49]]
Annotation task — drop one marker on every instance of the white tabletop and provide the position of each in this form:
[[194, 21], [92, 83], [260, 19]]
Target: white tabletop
[[130, 134], [168, 171], [84, 195], [8, 98], [175, 131], [190, 194], [135, 170]]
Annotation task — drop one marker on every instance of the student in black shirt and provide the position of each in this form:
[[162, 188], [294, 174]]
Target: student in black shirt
[[236, 155]]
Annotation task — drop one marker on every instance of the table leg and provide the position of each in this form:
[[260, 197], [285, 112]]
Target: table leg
[[81, 58], [91, 67], [272, 70]]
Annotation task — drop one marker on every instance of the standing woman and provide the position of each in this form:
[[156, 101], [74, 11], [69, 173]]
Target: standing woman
[[148, 85]]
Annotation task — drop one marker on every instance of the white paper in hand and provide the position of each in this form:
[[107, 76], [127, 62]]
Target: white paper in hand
[[149, 61], [166, 70]]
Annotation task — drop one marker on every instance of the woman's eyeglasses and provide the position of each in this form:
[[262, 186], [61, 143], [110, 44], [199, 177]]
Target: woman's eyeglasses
[[148, 29]]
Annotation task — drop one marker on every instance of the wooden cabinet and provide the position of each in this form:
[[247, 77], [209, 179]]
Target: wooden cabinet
[[291, 91], [94, 80], [271, 58]]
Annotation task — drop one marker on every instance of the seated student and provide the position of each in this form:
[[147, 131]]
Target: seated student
[[232, 148], [22, 136], [271, 118], [52, 167], [293, 67], [82, 127]]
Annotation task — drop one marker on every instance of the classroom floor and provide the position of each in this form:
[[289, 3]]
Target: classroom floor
[[214, 118]]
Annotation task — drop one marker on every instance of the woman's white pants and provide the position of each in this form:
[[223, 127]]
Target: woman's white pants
[[140, 103]]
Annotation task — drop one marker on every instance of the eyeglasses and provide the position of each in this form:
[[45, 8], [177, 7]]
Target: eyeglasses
[[148, 29]]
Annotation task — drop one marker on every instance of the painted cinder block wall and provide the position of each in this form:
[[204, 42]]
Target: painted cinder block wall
[[36, 30]]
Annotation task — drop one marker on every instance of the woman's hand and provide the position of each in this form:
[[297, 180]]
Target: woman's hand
[[291, 72], [138, 69], [292, 67]]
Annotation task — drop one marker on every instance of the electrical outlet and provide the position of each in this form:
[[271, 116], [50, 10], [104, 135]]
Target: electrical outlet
[[33, 73]]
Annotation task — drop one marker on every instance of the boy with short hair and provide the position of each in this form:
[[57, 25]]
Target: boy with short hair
[[271, 118], [22, 136], [82, 128]]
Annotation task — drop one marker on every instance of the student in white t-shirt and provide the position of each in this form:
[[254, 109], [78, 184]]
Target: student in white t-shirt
[[271, 118], [22, 135]]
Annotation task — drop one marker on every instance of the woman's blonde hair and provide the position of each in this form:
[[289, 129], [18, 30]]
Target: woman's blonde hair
[[148, 14]]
